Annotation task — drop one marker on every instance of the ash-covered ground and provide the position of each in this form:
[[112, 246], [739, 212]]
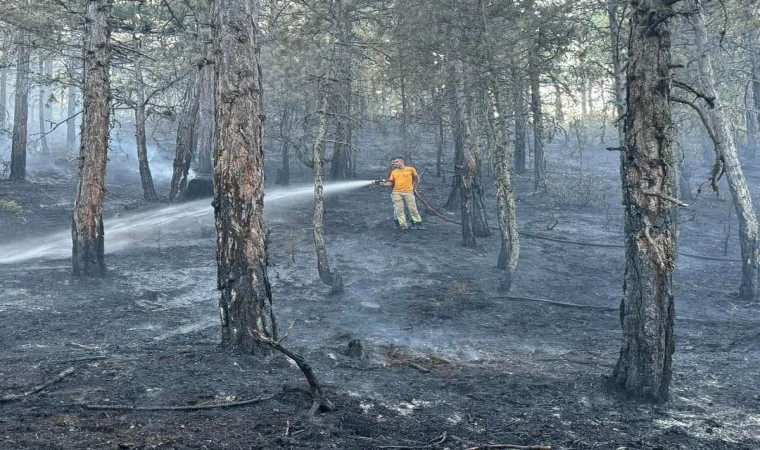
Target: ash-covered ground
[[448, 361]]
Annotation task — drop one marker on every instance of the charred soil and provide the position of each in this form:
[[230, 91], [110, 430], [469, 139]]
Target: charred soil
[[446, 361]]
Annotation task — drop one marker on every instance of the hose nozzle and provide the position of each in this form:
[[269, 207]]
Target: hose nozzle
[[378, 182]]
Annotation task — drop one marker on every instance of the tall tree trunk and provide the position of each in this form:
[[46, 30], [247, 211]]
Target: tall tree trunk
[[183, 151], [283, 173], [521, 139], [539, 160], [458, 134], [341, 160], [204, 142], [728, 157], [149, 190], [754, 55], [329, 277], [3, 97], [71, 130], [643, 369], [21, 110], [87, 225], [241, 253], [45, 72], [468, 170], [441, 143], [506, 204]]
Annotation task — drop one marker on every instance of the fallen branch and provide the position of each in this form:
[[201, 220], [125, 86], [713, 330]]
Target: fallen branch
[[555, 303], [316, 389], [419, 367], [175, 408], [34, 390]]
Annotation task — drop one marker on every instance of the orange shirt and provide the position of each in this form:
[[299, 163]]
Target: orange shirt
[[403, 179]]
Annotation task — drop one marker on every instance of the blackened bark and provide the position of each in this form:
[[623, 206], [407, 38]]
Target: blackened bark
[[643, 369], [71, 128], [21, 110], [246, 297], [87, 225]]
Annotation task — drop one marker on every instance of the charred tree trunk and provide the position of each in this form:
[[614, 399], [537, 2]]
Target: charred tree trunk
[[21, 110], [539, 161], [149, 190], [45, 70], [441, 143], [183, 152], [728, 158], [87, 225], [241, 253], [330, 278], [643, 369]]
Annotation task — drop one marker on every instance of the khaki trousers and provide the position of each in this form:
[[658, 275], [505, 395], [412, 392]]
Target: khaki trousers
[[399, 199]]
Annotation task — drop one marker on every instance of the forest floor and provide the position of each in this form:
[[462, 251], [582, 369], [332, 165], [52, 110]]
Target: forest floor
[[448, 361]]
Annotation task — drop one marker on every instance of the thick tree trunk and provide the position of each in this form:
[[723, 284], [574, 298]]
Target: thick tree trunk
[[246, 297], [149, 190], [183, 151], [21, 110], [728, 156], [87, 225], [330, 278], [643, 369], [539, 161]]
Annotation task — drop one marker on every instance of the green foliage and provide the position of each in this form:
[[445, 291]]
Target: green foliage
[[11, 206]]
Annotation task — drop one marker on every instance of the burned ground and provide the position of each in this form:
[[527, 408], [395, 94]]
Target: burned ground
[[448, 361]]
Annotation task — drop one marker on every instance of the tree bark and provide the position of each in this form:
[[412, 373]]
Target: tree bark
[[341, 159], [21, 110], [643, 369], [87, 225], [330, 278], [246, 297], [521, 151], [183, 151], [468, 170], [45, 70], [149, 190], [283, 173], [728, 156], [539, 161], [205, 141]]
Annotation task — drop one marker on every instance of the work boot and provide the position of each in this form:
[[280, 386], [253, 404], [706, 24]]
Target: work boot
[[418, 226]]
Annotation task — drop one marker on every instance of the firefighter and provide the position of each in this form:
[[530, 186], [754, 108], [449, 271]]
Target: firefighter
[[404, 180]]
